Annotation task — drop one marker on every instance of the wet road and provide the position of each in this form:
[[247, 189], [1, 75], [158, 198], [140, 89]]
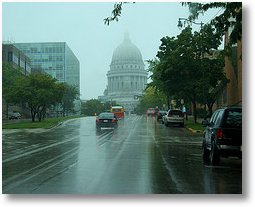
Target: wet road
[[141, 157]]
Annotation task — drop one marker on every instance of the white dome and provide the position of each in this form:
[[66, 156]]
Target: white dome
[[126, 52]]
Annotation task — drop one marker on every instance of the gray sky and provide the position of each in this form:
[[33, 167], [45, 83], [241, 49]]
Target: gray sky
[[81, 26]]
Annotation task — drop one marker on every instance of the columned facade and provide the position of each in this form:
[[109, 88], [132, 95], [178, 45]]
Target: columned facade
[[127, 77]]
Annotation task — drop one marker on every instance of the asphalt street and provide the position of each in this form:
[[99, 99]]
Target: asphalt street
[[142, 156]]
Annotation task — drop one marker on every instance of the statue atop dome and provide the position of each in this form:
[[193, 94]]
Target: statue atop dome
[[126, 36]]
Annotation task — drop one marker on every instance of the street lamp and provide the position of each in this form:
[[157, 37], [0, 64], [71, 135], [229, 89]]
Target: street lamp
[[180, 24]]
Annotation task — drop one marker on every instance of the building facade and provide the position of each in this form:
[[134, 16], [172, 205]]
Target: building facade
[[232, 93], [127, 77], [55, 59], [16, 58]]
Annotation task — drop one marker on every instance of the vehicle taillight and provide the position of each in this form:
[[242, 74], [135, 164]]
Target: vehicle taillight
[[114, 120], [219, 133], [97, 120]]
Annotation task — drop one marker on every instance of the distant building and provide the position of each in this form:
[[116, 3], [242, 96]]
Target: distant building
[[127, 77], [55, 59], [16, 58]]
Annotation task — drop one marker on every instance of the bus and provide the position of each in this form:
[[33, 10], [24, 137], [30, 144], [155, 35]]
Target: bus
[[118, 111]]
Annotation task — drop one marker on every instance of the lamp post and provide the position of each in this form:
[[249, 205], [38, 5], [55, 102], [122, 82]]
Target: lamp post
[[180, 25], [189, 21]]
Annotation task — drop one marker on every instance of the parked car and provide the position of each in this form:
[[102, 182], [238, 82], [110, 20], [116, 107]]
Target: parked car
[[151, 112], [174, 116], [106, 120], [223, 135], [161, 114], [15, 115]]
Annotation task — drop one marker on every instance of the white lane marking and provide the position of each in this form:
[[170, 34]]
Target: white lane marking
[[37, 150], [11, 186]]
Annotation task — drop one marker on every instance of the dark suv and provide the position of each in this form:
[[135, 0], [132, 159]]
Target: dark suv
[[223, 135]]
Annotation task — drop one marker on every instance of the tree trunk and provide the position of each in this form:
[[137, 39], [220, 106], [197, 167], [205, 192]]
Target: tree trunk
[[33, 113], [194, 111], [204, 110], [40, 112], [210, 109], [7, 110]]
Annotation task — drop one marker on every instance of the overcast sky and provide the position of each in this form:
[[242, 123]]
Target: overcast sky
[[81, 26]]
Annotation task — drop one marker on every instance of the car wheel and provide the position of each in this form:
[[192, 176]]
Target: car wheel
[[214, 155]]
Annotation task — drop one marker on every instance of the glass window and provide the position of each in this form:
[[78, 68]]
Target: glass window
[[212, 121], [59, 58], [15, 59], [22, 63], [219, 118], [10, 56], [59, 67], [33, 49], [106, 115], [59, 75], [233, 119]]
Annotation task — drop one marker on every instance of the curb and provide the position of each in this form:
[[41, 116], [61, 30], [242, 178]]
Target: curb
[[194, 131], [34, 130]]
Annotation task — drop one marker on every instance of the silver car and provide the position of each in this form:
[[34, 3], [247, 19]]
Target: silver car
[[174, 117]]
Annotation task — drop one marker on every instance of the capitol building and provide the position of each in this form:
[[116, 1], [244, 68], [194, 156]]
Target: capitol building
[[127, 77]]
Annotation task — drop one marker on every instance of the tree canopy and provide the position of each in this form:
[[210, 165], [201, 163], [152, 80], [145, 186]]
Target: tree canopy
[[39, 91], [70, 94], [92, 107], [181, 69], [152, 98], [231, 17], [10, 75]]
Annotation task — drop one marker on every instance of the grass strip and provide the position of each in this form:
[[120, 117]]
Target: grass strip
[[44, 124], [195, 126]]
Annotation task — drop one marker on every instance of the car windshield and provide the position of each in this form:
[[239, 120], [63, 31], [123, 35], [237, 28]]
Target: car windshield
[[175, 112], [116, 110], [106, 116]]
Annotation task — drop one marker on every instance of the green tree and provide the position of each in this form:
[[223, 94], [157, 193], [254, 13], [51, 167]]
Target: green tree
[[92, 107], [39, 91], [116, 12], [214, 80], [182, 71], [9, 76], [231, 17], [71, 93], [151, 99]]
